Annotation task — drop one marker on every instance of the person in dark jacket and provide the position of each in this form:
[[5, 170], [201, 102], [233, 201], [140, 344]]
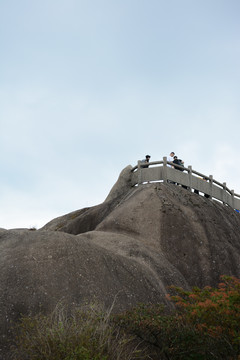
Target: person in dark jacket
[[178, 162], [180, 167], [145, 161]]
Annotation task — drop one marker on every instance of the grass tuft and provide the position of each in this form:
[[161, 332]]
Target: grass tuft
[[88, 334]]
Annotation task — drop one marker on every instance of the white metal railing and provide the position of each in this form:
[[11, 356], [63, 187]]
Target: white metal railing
[[191, 179]]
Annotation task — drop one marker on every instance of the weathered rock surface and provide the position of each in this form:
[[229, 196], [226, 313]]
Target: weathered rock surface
[[129, 248]]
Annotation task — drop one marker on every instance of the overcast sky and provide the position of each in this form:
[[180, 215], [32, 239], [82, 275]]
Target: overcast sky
[[88, 87]]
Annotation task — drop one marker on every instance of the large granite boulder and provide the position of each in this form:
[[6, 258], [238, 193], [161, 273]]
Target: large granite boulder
[[128, 249]]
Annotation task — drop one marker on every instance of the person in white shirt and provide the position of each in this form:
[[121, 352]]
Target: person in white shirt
[[170, 158]]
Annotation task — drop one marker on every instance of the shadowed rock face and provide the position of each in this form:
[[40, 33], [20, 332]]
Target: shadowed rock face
[[128, 249]]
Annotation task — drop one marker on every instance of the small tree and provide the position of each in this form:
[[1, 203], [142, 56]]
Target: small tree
[[205, 324], [213, 311]]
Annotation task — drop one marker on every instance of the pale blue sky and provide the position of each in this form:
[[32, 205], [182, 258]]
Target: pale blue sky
[[89, 87]]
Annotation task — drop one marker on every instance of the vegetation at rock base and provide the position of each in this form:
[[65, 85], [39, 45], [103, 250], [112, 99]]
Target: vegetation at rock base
[[204, 325], [88, 334]]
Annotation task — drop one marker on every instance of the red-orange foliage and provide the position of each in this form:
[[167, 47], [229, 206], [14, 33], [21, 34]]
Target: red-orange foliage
[[215, 311], [204, 325]]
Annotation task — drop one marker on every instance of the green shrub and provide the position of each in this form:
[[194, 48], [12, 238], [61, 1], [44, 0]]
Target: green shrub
[[214, 312], [205, 324]]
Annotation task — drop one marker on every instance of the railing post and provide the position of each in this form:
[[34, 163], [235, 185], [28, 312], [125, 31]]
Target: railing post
[[190, 177], [211, 186], [233, 198], [139, 172], [164, 169], [224, 193]]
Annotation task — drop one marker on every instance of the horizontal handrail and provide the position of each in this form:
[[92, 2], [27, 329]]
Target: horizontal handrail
[[210, 180], [149, 163]]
